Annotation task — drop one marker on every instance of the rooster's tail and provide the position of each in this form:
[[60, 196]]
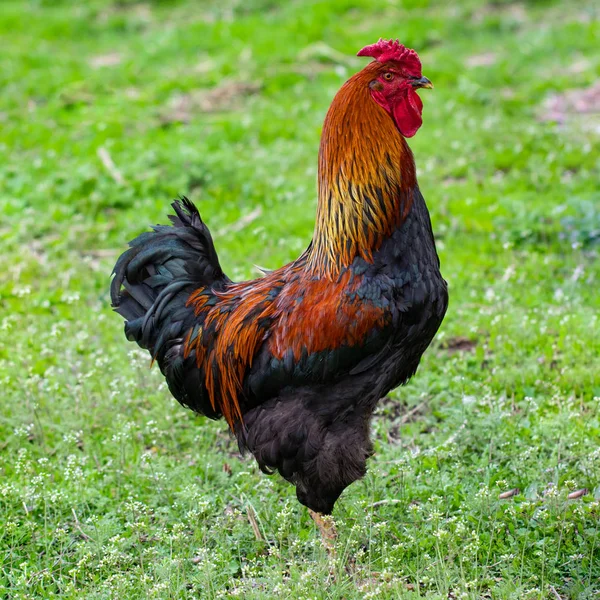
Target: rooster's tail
[[155, 277]]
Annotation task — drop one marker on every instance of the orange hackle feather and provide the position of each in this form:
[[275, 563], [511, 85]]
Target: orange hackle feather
[[366, 173], [366, 177], [235, 337]]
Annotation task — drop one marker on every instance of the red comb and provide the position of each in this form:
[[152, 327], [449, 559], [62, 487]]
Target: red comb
[[385, 50]]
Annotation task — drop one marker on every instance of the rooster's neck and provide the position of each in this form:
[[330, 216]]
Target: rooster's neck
[[365, 182]]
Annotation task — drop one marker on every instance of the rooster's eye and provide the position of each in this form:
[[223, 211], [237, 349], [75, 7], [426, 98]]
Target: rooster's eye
[[388, 76]]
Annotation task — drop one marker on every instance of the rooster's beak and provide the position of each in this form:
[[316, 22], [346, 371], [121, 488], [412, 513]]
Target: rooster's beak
[[423, 82]]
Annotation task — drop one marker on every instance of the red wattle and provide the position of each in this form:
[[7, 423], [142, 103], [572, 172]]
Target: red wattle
[[407, 114]]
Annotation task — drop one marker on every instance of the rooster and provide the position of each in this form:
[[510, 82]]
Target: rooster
[[297, 360]]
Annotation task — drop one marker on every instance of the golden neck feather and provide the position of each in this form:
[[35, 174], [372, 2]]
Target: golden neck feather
[[366, 175]]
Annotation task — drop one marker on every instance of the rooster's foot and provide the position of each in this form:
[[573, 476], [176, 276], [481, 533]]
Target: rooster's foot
[[326, 526]]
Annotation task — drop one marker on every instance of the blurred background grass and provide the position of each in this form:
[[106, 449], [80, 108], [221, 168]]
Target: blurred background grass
[[110, 109]]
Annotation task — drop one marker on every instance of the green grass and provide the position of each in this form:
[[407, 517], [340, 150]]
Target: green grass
[[108, 488]]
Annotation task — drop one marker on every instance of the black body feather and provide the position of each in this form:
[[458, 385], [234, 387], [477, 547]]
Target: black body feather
[[314, 426]]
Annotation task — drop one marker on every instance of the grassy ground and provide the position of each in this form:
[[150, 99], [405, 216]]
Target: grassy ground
[[108, 488]]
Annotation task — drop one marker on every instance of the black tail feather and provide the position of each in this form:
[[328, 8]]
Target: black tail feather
[[155, 277]]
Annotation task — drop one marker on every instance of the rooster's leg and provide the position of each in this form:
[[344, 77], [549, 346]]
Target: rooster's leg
[[326, 526]]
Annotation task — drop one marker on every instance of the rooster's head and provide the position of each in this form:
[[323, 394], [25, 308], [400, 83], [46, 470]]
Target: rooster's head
[[396, 75]]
